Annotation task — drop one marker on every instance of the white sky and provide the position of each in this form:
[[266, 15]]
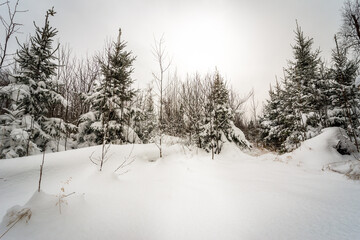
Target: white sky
[[248, 41]]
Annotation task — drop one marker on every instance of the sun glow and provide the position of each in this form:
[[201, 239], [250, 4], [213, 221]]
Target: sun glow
[[201, 43]]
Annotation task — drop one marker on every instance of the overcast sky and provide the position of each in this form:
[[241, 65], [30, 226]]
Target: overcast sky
[[249, 41]]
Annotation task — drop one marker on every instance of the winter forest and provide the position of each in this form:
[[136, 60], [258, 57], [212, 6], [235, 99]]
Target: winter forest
[[85, 153]]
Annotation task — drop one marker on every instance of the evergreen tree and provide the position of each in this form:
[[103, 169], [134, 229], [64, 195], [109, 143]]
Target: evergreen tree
[[110, 109], [277, 120], [35, 93], [344, 96], [325, 92], [291, 123], [300, 105], [217, 126], [304, 82], [267, 122]]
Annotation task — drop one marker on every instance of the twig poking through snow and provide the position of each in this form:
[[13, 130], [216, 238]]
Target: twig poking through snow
[[103, 158], [23, 213], [62, 195], [127, 161]]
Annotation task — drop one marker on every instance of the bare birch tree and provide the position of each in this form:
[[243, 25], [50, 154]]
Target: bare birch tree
[[162, 58]]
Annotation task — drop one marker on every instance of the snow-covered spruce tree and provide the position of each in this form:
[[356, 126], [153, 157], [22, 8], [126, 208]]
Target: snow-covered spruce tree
[[344, 96], [303, 76], [107, 120], [267, 121], [278, 119], [14, 137], [34, 94], [324, 98], [301, 110], [217, 126], [134, 115], [291, 125]]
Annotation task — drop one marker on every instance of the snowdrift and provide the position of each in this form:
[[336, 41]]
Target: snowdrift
[[330, 150]]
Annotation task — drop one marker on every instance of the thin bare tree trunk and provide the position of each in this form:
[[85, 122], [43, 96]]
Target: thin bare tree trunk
[[41, 169], [160, 55], [356, 24], [30, 135], [11, 27]]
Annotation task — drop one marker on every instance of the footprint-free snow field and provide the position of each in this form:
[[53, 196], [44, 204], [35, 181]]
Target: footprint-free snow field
[[184, 195]]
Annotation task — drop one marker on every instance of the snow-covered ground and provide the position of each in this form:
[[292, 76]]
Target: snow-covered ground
[[185, 195]]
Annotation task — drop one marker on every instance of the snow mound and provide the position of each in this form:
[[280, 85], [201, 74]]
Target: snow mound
[[330, 150], [40, 208]]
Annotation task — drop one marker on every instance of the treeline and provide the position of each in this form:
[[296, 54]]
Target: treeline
[[311, 95], [51, 101]]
